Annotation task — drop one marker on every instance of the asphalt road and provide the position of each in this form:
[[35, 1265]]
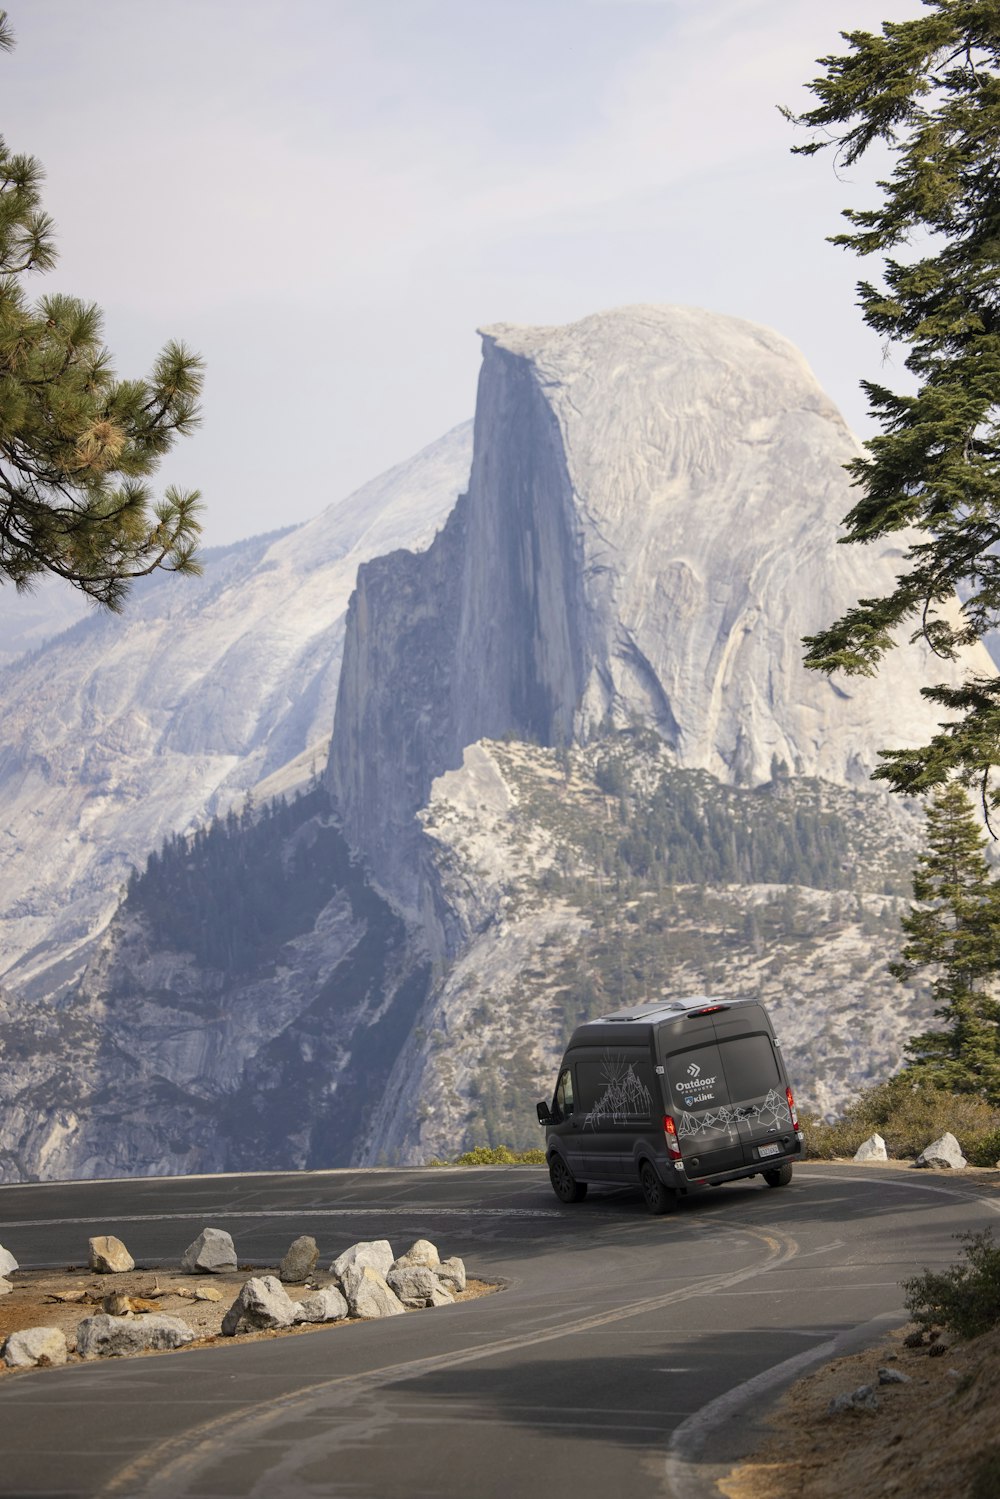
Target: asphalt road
[[615, 1362]]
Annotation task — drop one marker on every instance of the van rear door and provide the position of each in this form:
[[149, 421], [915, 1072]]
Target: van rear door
[[708, 1130], [757, 1090]]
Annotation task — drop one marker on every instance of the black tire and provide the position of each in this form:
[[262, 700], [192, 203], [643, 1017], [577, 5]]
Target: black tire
[[780, 1176], [564, 1183], [659, 1199]]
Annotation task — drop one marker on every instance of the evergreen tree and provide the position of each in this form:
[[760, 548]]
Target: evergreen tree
[[77, 444], [929, 88], [956, 931]]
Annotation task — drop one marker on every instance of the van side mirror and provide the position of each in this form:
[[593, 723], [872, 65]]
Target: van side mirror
[[544, 1117]]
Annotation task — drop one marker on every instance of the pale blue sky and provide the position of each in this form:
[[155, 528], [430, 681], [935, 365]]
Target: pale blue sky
[[326, 197]]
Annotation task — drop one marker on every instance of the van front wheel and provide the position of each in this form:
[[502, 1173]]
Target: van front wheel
[[564, 1183], [659, 1199], [779, 1177]]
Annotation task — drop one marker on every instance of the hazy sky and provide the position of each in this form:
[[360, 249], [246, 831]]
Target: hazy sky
[[327, 197]]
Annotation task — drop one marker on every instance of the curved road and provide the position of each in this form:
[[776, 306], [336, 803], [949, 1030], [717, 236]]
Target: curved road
[[603, 1369]]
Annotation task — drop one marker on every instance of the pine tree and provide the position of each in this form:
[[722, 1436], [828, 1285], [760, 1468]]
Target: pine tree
[[955, 930], [928, 88], [77, 444]]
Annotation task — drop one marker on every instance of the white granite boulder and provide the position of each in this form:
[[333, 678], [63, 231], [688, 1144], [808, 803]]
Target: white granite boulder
[[300, 1260], [367, 1293], [212, 1253], [441, 1296], [263, 1302], [35, 1345], [108, 1255], [116, 1337], [8, 1263], [374, 1252], [944, 1152], [873, 1149], [451, 1274], [413, 1284], [5, 1288], [863, 1398], [326, 1305], [423, 1252]]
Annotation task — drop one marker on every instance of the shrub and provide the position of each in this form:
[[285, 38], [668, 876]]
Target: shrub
[[909, 1115], [964, 1298], [500, 1155]]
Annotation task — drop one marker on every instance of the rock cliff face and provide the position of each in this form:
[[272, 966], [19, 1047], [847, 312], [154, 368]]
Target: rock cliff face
[[129, 728], [649, 531]]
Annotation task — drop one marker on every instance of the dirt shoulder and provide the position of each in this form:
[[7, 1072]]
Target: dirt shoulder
[[938, 1433], [63, 1298]]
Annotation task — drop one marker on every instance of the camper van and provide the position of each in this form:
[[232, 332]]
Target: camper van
[[672, 1097]]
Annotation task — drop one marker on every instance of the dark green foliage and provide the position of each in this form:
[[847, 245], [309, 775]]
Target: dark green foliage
[[909, 1114], [76, 443], [929, 89], [965, 1298], [955, 931], [238, 889], [692, 829]]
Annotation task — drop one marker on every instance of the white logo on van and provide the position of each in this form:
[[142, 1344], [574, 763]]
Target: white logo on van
[[693, 1070]]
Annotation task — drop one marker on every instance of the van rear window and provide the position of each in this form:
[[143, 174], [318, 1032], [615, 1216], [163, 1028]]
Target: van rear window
[[751, 1069], [734, 1071], [697, 1078]]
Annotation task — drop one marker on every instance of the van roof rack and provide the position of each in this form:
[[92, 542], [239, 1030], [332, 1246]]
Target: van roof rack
[[672, 1007]]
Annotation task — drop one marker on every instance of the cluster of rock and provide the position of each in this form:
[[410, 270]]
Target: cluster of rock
[[944, 1152], [864, 1398], [369, 1281]]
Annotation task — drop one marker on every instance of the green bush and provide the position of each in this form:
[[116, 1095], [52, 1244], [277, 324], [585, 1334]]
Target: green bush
[[909, 1115], [965, 1298], [500, 1155]]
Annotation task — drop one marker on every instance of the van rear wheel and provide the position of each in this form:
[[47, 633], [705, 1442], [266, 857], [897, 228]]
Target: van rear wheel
[[780, 1176], [564, 1183], [659, 1199]]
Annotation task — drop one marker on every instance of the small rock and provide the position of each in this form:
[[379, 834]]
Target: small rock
[[300, 1261], [7, 1261], [207, 1293], [861, 1399], [24, 1349], [374, 1252], [327, 1305], [116, 1337], [212, 1253], [873, 1149], [413, 1284], [5, 1287], [451, 1273], [441, 1296], [117, 1305], [368, 1295], [944, 1152], [893, 1376], [262, 1302], [423, 1252], [109, 1256]]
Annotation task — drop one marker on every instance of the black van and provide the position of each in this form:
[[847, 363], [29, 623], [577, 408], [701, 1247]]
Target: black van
[[673, 1096]]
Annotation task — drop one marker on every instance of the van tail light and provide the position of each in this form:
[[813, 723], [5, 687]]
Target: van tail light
[[673, 1144], [793, 1110]]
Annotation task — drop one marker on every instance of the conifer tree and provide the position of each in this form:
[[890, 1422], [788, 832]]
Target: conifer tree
[[929, 89], [77, 444], [955, 930]]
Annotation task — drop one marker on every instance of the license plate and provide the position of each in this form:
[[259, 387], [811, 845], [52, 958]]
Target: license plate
[[768, 1149]]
